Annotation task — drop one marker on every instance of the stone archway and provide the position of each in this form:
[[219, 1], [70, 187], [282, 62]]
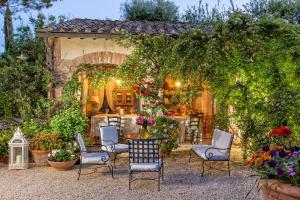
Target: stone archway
[[64, 71]]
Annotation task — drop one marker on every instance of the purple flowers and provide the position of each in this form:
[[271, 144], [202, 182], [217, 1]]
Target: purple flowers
[[274, 153], [144, 121], [280, 170], [272, 163], [266, 148], [282, 153], [292, 170]]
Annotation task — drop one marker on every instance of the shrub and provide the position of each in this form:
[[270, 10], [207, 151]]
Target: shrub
[[166, 129], [46, 141], [5, 136], [64, 155], [68, 123], [31, 128]]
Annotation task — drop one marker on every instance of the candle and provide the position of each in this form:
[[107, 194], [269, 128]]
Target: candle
[[18, 160]]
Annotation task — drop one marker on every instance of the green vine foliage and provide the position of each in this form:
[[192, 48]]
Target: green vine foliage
[[252, 68]]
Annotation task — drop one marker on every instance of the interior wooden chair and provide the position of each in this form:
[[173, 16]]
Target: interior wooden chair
[[192, 130]]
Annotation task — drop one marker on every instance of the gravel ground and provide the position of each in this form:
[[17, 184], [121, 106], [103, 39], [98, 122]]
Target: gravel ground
[[182, 181]]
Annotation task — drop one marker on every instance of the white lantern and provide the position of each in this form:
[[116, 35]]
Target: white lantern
[[18, 151]]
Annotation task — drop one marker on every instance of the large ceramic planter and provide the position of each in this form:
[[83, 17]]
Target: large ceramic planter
[[40, 157], [278, 190], [62, 166]]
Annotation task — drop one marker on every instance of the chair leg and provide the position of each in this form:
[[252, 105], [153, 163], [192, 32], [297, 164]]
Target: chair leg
[[111, 169], [190, 155], [79, 171], [162, 172], [202, 167], [228, 167], [115, 160], [159, 173], [129, 182]]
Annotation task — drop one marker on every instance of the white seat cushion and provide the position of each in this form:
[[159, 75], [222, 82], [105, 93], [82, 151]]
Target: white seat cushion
[[95, 158], [211, 154], [119, 148], [145, 166]]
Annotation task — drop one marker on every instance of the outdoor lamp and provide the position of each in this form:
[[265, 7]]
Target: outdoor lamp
[[18, 151]]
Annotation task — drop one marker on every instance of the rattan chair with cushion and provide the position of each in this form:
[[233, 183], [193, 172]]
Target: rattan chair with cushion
[[100, 157], [219, 150], [144, 156], [110, 142]]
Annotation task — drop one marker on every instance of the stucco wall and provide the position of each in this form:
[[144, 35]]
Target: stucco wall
[[74, 47]]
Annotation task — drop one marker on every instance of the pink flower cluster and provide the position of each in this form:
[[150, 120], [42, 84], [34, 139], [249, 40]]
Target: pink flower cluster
[[145, 122]]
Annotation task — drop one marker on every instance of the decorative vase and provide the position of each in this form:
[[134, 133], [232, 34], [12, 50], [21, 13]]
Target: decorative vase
[[166, 154], [277, 190], [62, 166], [40, 157], [145, 133]]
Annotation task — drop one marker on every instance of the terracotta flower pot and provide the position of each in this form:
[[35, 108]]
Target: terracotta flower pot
[[277, 190], [40, 157], [166, 154], [62, 166]]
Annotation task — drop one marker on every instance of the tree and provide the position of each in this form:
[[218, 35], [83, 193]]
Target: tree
[[286, 9], [201, 13], [11, 7], [150, 10]]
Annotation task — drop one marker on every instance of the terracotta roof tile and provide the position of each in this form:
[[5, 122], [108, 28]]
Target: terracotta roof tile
[[95, 26]]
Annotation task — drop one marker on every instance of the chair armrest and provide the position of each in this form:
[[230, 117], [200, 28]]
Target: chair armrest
[[112, 144], [209, 155]]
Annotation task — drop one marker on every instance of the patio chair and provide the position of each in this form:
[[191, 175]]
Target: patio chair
[[219, 150], [144, 156], [92, 158], [193, 129], [110, 142], [115, 121]]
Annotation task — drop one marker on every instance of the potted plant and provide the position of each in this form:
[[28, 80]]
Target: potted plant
[[41, 144], [279, 169], [63, 159], [167, 130]]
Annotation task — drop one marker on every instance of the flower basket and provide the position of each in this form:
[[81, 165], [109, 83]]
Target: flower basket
[[276, 190]]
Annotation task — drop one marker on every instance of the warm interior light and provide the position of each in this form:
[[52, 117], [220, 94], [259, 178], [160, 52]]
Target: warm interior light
[[177, 84], [118, 81]]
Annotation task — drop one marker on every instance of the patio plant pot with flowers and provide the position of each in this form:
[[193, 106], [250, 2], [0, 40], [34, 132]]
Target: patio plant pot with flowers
[[63, 159], [41, 144], [279, 168]]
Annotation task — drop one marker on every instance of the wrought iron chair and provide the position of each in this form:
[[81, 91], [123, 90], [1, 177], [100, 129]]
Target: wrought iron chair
[[219, 150], [193, 129], [100, 157], [110, 142], [115, 121], [144, 156]]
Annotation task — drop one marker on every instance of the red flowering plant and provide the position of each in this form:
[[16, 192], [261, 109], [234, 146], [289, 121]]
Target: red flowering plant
[[149, 92]]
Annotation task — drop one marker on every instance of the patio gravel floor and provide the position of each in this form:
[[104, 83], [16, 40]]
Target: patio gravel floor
[[182, 181]]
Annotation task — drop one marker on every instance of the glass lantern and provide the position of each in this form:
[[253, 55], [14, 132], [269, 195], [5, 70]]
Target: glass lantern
[[18, 151]]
